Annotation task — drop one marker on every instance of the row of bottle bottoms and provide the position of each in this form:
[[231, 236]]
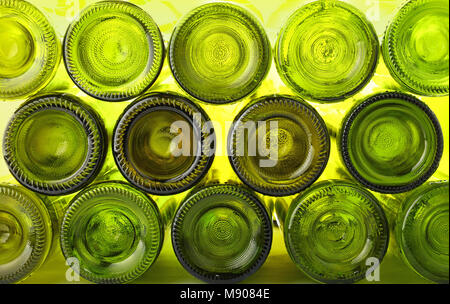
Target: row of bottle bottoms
[[219, 52], [335, 232], [164, 144]]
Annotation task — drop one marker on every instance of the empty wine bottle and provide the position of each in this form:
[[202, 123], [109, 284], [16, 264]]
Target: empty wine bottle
[[334, 231], [114, 231], [54, 144], [162, 143], [278, 145], [113, 50], [28, 232], [29, 49], [391, 142], [221, 233], [219, 53], [327, 51], [415, 47], [421, 231]]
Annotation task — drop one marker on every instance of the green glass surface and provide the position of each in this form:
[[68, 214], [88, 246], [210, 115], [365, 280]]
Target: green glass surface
[[114, 230], [219, 53], [391, 142], [278, 268], [221, 233], [416, 47], [327, 51], [298, 153], [162, 144], [54, 144], [422, 231], [29, 49], [331, 230], [25, 233], [113, 50]]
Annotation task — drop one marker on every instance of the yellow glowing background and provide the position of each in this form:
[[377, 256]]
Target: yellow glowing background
[[273, 14]]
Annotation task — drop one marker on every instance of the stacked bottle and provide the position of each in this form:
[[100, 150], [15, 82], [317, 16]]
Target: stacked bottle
[[164, 144], [222, 233], [334, 232], [114, 231], [29, 229], [30, 50]]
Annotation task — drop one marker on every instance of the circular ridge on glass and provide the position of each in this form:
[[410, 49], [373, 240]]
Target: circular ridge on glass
[[332, 229], [415, 47], [163, 143], [29, 50], [302, 145], [113, 51], [391, 142], [25, 233], [221, 234], [54, 144], [114, 230], [327, 51], [219, 53], [422, 231]]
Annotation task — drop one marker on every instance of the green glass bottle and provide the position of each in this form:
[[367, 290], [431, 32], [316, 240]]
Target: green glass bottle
[[327, 51], [278, 145], [421, 231], [113, 50], [54, 144], [391, 142], [114, 231], [415, 47], [25, 233], [219, 53], [29, 49], [221, 233], [162, 143], [332, 229]]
